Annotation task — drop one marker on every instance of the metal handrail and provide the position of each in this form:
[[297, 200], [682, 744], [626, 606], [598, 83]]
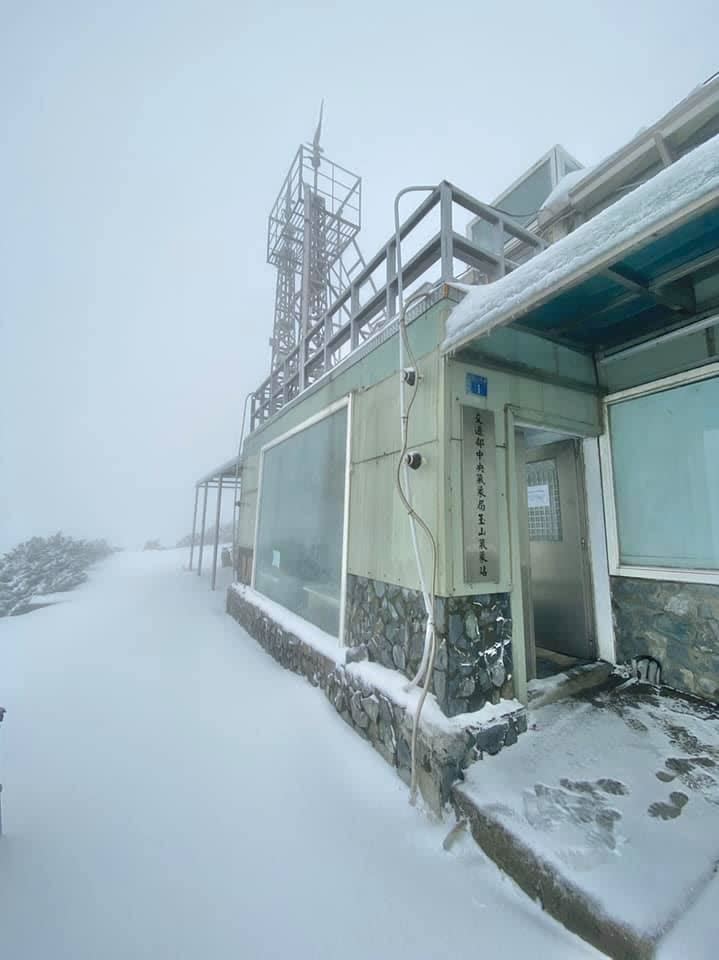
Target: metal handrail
[[328, 341]]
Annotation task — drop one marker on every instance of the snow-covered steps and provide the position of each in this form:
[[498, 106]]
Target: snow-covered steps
[[376, 702], [606, 813]]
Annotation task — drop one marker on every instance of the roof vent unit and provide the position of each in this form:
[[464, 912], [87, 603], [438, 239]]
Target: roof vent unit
[[523, 199]]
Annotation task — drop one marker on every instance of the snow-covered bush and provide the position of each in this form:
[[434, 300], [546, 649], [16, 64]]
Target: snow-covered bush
[[45, 565], [225, 536]]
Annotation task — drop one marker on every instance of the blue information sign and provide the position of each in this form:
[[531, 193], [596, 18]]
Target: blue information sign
[[476, 385]]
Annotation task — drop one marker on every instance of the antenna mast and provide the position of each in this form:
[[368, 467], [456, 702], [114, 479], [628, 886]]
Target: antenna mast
[[314, 221]]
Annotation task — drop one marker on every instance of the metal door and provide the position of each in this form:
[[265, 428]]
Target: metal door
[[561, 590]]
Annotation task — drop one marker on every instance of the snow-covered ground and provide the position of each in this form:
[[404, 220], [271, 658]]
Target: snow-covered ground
[[171, 792], [618, 792]]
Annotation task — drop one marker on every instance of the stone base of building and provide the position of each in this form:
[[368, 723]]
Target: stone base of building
[[473, 667], [676, 625], [444, 748]]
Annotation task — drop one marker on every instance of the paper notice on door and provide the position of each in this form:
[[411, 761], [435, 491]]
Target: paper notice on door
[[538, 496]]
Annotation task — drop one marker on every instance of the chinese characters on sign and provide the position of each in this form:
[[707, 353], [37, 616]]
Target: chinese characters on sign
[[479, 455], [479, 489]]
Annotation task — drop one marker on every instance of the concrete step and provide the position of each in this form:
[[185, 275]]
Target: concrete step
[[575, 680], [605, 813], [554, 891]]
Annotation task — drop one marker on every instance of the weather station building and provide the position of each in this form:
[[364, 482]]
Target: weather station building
[[488, 455]]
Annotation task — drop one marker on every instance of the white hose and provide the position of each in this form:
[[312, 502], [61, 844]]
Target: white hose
[[428, 654], [404, 427], [402, 402]]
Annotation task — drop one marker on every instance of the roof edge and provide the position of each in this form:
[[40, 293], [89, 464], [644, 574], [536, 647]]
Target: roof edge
[[700, 98], [604, 259]]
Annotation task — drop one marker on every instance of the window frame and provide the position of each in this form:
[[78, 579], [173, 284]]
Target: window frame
[[344, 403], [709, 371]]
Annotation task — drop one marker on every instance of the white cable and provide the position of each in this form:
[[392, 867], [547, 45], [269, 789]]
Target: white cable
[[428, 655], [402, 404]]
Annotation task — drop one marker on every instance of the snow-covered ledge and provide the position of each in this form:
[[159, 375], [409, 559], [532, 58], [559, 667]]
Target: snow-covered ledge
[[375, 701], [323, 643]]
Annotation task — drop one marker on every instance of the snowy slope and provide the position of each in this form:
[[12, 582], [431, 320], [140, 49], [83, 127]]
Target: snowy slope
[[171, 793]]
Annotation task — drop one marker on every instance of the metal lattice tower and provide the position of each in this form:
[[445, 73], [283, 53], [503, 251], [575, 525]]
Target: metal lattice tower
[[312, 226]]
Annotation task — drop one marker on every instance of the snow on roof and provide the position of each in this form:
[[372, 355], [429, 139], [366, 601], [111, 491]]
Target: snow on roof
[[227, 469], [560, 195], [597, 243]]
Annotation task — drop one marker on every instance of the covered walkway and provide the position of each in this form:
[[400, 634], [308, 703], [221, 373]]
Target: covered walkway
[[225, 477]]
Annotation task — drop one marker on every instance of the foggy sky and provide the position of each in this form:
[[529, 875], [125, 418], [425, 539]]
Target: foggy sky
[[142, 146]]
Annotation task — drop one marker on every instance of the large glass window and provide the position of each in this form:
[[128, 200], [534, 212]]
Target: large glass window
[[301, 519], [665, 459]]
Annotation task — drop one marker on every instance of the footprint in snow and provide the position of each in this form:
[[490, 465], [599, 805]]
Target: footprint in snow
[[669, 811]]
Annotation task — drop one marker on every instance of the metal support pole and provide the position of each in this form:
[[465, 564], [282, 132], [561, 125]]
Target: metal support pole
[[194, 525], [306, 280], [354, 310], [202, 532], [445, 228], [391, 287], [217, 533], [326, 330]]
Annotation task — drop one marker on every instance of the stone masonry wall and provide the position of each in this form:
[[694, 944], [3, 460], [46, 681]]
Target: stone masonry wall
[[677, 624], [442, 756], [473, 665]]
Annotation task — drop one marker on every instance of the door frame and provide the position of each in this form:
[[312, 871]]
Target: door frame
[[524, 657]]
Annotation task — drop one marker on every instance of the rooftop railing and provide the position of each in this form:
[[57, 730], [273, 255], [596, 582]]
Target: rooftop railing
[[364, 306]]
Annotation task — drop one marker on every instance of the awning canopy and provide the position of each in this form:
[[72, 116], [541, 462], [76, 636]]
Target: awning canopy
[[630, 272], [223, 472]]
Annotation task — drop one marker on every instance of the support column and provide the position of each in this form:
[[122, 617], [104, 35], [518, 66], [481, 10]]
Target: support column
[[306, 281], [194, 525], [202, 532], [445, 227], [217, 533], [391, 280], [354, 310]]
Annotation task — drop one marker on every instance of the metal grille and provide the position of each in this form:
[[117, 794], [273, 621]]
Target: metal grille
[[545, 518]]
